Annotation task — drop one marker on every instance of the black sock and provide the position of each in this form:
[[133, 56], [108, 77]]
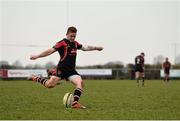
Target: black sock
[[41, 80], [77, 94]]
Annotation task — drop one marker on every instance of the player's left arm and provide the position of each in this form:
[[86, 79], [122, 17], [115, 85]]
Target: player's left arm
[[91, 48], [88, 47]]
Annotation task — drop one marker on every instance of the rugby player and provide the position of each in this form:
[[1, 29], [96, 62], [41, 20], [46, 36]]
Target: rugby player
[[139, 68], [166, 66], [67, 49]]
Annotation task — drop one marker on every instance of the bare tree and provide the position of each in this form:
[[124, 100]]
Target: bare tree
[[38, 66], [29, 66], [17, 64], [177, 60], [50, 65], [158, 59], [4, 65]]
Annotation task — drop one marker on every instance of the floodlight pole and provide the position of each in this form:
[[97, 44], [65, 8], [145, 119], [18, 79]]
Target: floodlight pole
[[175, 51], [67, 13], [175, 45]]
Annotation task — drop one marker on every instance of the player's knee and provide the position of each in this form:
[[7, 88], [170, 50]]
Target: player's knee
[[137, 77], [80, 83], [49, 85]]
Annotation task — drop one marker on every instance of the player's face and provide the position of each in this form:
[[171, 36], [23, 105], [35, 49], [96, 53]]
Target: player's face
[[142, 55], [71, 36], [166, 59]]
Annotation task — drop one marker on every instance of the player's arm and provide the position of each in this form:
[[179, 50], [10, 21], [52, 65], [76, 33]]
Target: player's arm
[[136, 60], [43, 54], [91, 48], [162, 66]]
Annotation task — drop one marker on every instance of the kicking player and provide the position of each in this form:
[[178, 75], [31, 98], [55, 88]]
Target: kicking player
[[166, 66], [67, 49], [139, 68]]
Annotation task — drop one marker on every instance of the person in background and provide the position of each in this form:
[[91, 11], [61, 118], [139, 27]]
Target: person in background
[[166, 66]]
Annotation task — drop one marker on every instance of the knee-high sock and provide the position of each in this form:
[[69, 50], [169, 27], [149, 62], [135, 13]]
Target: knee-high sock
[[41, 80], [77, 94], [142, 80]]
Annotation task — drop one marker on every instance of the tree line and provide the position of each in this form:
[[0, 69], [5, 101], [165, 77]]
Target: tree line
[[111, 65]]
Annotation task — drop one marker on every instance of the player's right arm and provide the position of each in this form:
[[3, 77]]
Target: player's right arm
[[43, 54], [162, 65]]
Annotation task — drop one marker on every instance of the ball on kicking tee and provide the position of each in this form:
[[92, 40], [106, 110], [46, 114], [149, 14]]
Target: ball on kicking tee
[[68, 99]]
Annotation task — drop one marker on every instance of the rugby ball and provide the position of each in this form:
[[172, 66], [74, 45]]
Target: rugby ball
[[68, 100]]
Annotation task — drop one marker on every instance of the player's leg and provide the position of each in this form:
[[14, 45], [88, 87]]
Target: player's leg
[[142, 77], [164, 79], [52, 82], [49, 83], [137, 77], [77, 81], [166, 76]]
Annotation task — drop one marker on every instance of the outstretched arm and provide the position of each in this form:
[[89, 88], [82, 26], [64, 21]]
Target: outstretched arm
[[90, 48], [43, 54]]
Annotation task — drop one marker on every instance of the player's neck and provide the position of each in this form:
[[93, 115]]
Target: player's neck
[[69, 40]]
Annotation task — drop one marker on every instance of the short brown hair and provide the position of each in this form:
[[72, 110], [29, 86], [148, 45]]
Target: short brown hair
[[72, 29], [142, 53]]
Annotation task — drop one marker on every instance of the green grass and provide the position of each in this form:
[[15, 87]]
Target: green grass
[[105, 99]]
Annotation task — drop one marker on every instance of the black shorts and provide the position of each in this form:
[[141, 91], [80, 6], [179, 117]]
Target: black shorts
[[166, 71], [64, 74], [139, 69]]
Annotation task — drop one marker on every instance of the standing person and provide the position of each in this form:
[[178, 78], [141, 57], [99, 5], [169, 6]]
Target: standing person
[[139, 68], [166, 66], [67, 49]]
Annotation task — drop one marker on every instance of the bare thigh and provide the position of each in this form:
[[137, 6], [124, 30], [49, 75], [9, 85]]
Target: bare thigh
[[77, 81], [52, 82], [137, 74]]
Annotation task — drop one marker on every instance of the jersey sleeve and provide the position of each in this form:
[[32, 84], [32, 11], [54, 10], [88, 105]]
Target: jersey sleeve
[[78, 45], [163, 64], [135, 60], [58, 45]]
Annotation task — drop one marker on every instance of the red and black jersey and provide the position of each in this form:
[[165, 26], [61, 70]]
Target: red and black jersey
[[139, 61], [166, 65], [67, 51]]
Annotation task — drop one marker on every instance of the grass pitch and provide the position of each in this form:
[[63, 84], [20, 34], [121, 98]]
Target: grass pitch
[[105, 99]]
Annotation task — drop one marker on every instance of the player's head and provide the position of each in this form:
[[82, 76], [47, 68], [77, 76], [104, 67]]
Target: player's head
[[71, 33], [142, 54], [166, 59]]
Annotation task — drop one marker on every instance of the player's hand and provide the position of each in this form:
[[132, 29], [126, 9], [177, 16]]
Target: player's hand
[[33, 57], [99, 48]]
